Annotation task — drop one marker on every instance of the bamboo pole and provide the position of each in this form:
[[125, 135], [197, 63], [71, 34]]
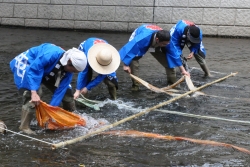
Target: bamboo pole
[[78, 139], [147, 85], [156, 89], [174, 85], [199, 93], [189, 83], [202, 116]]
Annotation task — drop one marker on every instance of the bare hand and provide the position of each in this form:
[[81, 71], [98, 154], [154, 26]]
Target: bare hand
[[190, 56], [126, 69], [84, 91], [185, 73], [76, 94], [35, 98]]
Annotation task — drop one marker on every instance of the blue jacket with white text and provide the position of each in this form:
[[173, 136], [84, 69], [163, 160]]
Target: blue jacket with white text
[[31, 66], [177, 43]]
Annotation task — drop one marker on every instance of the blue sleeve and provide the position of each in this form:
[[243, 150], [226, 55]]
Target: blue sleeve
[[82, 79], [195, 48], [61, 90], [202, 49], [129, 52], [98, 79], [138, 46], [173, 50], [35, 71]]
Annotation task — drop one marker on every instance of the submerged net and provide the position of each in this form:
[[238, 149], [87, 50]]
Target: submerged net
[[134, 133], [56, 118]]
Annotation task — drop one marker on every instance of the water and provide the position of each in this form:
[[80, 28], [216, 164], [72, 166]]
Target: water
[[224, 55]]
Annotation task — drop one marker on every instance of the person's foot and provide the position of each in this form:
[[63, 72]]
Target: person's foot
[[27, 131], [208, 76], [135, 88]]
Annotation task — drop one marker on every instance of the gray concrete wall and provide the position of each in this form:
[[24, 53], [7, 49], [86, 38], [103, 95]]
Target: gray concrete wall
[[215, 17]]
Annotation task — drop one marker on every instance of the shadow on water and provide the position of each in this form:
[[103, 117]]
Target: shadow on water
[[224, 56]]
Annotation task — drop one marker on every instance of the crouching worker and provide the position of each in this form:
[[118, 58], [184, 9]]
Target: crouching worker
[[144, 37], [48, 65], [186, 33], [104, 59]]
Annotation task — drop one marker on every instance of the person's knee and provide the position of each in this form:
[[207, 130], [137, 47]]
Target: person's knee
[[29, 107], [135, 64], [170, 71], [68, 101]]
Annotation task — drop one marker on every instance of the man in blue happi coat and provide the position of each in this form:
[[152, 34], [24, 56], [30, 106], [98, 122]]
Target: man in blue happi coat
[[48, 65], [185, 33], [102, 58], [144, 37]]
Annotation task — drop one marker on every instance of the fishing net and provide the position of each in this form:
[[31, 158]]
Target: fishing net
[[56, 118], [134, 133]]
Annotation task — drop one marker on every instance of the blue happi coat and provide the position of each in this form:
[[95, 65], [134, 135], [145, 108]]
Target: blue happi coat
[[176, 44], [139, 43], [31, 66], [82, 80]]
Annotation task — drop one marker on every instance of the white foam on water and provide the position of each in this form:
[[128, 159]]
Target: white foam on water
[[121, 105], [94, 123]]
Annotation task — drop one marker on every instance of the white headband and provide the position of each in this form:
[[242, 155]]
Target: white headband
[[77, 57]]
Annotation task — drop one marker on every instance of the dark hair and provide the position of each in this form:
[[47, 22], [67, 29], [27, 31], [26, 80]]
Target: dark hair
[[163, 35]]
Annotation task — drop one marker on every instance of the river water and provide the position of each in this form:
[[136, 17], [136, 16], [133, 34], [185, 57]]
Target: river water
[[224, 55]]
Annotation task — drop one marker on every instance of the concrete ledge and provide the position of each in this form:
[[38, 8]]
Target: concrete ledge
[[68, 24], [217, 18], [13, 21], [114, 26], [88, 25], [44, 23]]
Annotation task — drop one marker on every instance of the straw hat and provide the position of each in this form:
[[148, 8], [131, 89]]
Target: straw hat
[[103, 58]]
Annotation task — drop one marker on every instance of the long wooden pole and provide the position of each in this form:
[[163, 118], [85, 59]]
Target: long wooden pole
[[202, 116], [174, 85], [147, 85], [156, 89], [78, 139]]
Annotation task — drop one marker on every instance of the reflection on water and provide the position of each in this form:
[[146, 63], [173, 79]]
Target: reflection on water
[[224, 56]]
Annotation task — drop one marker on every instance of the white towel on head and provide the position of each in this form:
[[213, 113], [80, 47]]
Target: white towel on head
[[77, 57]]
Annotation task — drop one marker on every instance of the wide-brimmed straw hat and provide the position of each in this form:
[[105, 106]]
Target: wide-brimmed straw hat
[[103, 58]]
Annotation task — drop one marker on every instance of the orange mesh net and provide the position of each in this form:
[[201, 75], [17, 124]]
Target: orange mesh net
[[134, 133], [56, 118]]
